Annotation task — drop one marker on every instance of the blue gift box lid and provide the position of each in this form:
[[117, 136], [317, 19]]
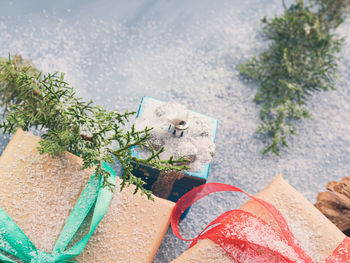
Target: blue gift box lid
[[201, 174]]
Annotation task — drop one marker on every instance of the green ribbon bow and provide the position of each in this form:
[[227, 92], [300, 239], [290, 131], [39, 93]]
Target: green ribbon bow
[[14, 242]]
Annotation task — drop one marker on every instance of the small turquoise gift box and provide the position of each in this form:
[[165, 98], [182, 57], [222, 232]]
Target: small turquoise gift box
[[180, 125]]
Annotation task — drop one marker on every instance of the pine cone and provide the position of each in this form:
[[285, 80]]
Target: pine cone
[[335, 204]]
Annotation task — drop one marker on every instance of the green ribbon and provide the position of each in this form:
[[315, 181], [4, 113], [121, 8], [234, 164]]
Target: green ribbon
[[14, 242]]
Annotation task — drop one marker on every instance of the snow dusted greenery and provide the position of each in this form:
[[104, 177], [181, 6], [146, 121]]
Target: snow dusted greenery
[[301, 59], [47, 102]]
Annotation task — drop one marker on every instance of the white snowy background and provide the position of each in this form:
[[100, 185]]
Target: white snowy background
[[116, 52]]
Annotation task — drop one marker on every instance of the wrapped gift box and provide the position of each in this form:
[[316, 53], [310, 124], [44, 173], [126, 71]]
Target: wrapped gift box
[[318, 236], [39, 191], [188, 179]]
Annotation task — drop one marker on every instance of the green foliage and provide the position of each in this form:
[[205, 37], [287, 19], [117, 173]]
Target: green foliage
[[47, 102], [301, 59]]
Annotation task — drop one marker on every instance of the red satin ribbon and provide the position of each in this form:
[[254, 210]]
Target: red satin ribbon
[[247, 238]]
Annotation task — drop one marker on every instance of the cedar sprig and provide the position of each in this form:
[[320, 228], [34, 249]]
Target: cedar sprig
[[45, 101], [301, 59]]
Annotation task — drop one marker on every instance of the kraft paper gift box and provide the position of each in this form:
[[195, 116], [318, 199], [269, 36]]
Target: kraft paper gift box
[[317, 236], [39, 191]]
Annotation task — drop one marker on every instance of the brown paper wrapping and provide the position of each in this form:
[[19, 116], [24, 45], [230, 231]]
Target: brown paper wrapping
[[315, 233], [38, 192]]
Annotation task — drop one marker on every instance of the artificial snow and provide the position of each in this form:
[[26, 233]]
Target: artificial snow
[[116, 52], [195, 144]]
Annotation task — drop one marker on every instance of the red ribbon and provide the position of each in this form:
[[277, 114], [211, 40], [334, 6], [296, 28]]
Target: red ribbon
[[247, 238]]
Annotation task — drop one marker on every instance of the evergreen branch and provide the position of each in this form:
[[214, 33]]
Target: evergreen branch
[[301, 59], [32, 99]]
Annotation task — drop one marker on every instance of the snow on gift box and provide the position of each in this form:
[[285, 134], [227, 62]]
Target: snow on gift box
[[276, 225], [182, 133], [38, 192]]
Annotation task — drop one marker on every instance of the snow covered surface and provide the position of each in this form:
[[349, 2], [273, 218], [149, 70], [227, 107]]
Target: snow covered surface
[[196, 143], [116, 52]]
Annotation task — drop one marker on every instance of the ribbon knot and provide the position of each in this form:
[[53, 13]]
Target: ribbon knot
[[42, 257]]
